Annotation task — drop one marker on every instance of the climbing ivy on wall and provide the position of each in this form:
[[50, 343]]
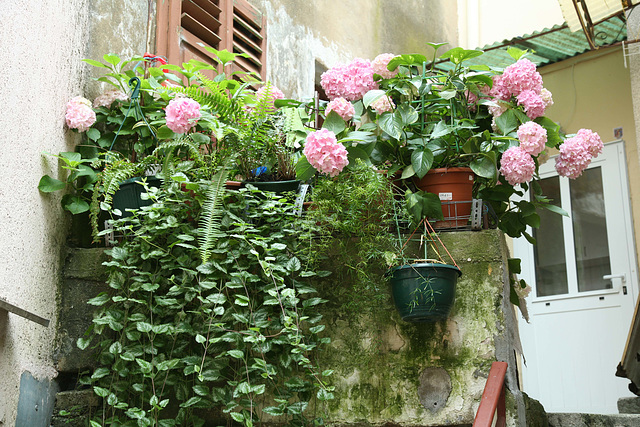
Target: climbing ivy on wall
[[232, 338]]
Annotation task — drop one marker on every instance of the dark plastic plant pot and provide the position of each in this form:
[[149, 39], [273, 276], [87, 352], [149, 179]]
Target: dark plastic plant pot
[[277, 187], [129, 194], [424, 292]]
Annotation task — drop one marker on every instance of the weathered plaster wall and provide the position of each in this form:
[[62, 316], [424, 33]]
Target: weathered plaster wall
[[329, 32], [42, 44]]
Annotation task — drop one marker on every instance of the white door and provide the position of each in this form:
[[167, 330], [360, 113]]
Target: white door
[[584, 279]]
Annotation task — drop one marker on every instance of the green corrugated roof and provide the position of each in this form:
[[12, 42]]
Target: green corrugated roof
[[552, 44]]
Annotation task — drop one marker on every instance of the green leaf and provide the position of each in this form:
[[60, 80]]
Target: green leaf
[[93, 134], [507, 122], [485, 166], [458, 54], [556, 209], [111, 59], [74, 204], [49, 185], [100, 373], [334, 123], [200, 339], [514, 265], [95, 63], [194, 400], [516, 53], [236, 354], [101, 299], [164, 133], [421, 160], [83, 343], [102, 392], [304, 170], [144, 327], [273, 411], [390, 125], [407, 114], [441, 130], [372, 96], [145, 367], [293, 264], [237, 417], [324, 395]]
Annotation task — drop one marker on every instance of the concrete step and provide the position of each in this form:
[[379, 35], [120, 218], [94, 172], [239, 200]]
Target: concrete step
[[594, 420]]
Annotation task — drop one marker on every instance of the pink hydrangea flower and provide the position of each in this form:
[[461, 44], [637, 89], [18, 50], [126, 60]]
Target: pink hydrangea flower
[[532, 137], [350, 81], [532, 102], [383, 104], [547, 98], [499, 90], [517, 166], [498, 108], [343, 107], [108, 97], [271, 93], [521, 76], [379, 65], [182, 114], [79, 114], [574, 157], [325, 153], [592, 141]]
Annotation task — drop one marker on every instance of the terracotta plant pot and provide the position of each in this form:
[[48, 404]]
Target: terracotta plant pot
[[454, 187]]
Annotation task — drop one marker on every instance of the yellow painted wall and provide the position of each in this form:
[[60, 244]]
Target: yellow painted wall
[[593, 91]]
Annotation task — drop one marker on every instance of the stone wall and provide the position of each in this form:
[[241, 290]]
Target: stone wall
[[386, 371]]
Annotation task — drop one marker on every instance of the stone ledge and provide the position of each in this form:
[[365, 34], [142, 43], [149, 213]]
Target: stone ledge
[[85, 264]]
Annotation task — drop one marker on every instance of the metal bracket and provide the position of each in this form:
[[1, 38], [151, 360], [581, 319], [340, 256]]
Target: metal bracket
[[7, 306], [476, 214]]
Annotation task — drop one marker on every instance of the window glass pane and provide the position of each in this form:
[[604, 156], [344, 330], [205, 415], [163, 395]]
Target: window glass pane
[[550, 260], [590, 231]]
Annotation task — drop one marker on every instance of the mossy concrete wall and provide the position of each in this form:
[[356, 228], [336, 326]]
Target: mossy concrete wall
[[432, 374]]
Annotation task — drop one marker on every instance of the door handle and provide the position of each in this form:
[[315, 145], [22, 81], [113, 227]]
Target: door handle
[[622, 277]]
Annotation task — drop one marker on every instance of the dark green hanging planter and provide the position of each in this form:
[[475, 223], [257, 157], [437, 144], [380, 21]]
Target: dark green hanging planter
[[424, 292], [129, 194], [277, 187]]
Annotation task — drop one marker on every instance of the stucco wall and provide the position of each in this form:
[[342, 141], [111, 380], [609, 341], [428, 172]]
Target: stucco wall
[[42, 44], [329, 32]]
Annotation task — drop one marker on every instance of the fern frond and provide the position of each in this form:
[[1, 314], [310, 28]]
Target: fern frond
[[211, 214], [106, 187], [172, 145], [229, 110]]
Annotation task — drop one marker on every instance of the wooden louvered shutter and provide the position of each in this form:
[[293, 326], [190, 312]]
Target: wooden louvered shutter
[[183, 26]]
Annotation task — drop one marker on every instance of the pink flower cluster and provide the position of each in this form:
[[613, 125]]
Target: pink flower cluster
[[108, 97], [182, 114], [380, 63], [325, 153], [517, 166], [270, 93], [79, 114], [577, 152], [341, 106], [532, 137], [383, 104], [350, 81], [522, 81]]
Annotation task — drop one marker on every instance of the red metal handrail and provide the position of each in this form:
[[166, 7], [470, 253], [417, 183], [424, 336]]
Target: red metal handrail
[[493, 398]]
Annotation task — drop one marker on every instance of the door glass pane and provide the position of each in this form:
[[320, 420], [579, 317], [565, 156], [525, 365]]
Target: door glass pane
[[590, 231], [549, 255]]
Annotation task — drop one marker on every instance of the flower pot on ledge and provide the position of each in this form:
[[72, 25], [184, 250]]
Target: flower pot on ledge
[[454, 187]]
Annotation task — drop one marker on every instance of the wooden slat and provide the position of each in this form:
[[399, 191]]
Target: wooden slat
[[250, 13], [194, 42], [239, 48], [239, 36], [207, 5], [195, 27], [7, 306], [249, 29], [492, 397], [196, 12]]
